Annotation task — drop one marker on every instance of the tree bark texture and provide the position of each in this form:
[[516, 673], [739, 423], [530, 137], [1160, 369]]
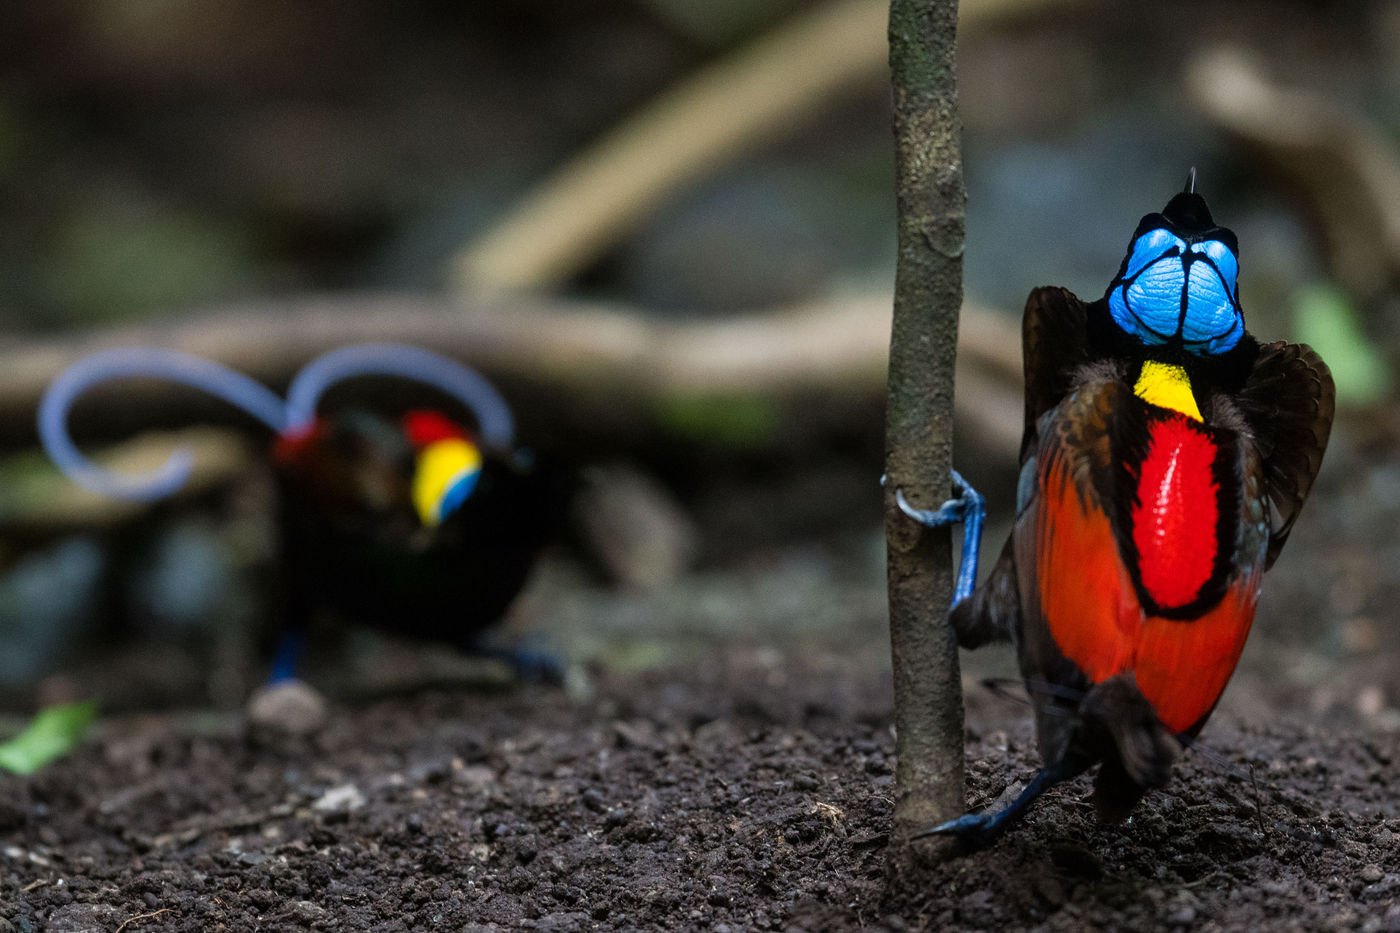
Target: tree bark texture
[[919, 420]]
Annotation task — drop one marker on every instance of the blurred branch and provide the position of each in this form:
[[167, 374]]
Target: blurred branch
[[38, 500], [1342, 164], [762, 92], [598, 365]]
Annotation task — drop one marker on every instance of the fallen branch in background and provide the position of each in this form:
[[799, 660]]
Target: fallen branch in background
[[764, 92], [583, 370], [1339, 162], [39, 502]]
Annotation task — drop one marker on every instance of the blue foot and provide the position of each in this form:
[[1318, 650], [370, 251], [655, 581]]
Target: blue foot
[[980, 829], [529, 666], [970, 509], [974, 830]]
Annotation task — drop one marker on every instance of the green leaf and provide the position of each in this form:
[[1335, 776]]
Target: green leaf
[[1328, 322], [736, 422], [52, 734]]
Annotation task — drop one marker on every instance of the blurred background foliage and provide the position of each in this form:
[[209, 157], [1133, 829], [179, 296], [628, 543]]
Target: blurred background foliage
[[162, 158]]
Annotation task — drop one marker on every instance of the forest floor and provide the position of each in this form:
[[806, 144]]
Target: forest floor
[[724, 761], [750, 792]]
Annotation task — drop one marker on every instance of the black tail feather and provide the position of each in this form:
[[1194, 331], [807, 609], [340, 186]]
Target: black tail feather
[[1121, 728]]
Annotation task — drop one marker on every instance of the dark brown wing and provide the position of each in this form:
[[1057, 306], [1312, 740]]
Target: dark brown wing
[[1288, 402], [1054, 343]]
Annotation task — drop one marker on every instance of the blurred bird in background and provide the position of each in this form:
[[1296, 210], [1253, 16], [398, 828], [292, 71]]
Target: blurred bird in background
[[418, 525]]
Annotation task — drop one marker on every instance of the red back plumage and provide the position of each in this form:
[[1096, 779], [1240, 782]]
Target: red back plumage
[[1087, 597]]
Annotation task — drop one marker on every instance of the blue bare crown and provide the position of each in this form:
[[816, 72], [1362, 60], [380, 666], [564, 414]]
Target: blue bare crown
[[1174, 291], [1177, 285]]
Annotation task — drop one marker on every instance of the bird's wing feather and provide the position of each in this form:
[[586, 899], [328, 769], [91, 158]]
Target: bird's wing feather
[[1054, 344], [1288, 402]]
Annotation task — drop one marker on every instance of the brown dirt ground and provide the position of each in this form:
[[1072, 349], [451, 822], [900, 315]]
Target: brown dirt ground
[[750, 793]]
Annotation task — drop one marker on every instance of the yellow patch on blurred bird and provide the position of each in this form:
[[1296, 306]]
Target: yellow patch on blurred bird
[[446, 475]]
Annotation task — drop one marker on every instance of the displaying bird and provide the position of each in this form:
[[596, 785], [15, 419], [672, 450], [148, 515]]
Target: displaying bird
[[416, 525], [410, 526], [1165, 458]]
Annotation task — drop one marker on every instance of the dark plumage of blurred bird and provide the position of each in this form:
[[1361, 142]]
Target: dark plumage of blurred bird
[[410, 526], [1165, 458], [416, 525]]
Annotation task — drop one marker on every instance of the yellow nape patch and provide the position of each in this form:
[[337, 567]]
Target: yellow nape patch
[[1166, 385], [440, 465]]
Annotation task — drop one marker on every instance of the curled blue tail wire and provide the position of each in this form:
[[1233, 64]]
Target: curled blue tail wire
[[144, 362], [493, 416], [495, 425]]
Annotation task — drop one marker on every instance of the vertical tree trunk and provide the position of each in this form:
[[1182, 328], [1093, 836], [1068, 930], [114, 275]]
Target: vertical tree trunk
[[928, 294]]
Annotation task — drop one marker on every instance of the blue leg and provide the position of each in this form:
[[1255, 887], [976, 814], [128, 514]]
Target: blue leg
[[980, 829], [290, 647], [970, 509]]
